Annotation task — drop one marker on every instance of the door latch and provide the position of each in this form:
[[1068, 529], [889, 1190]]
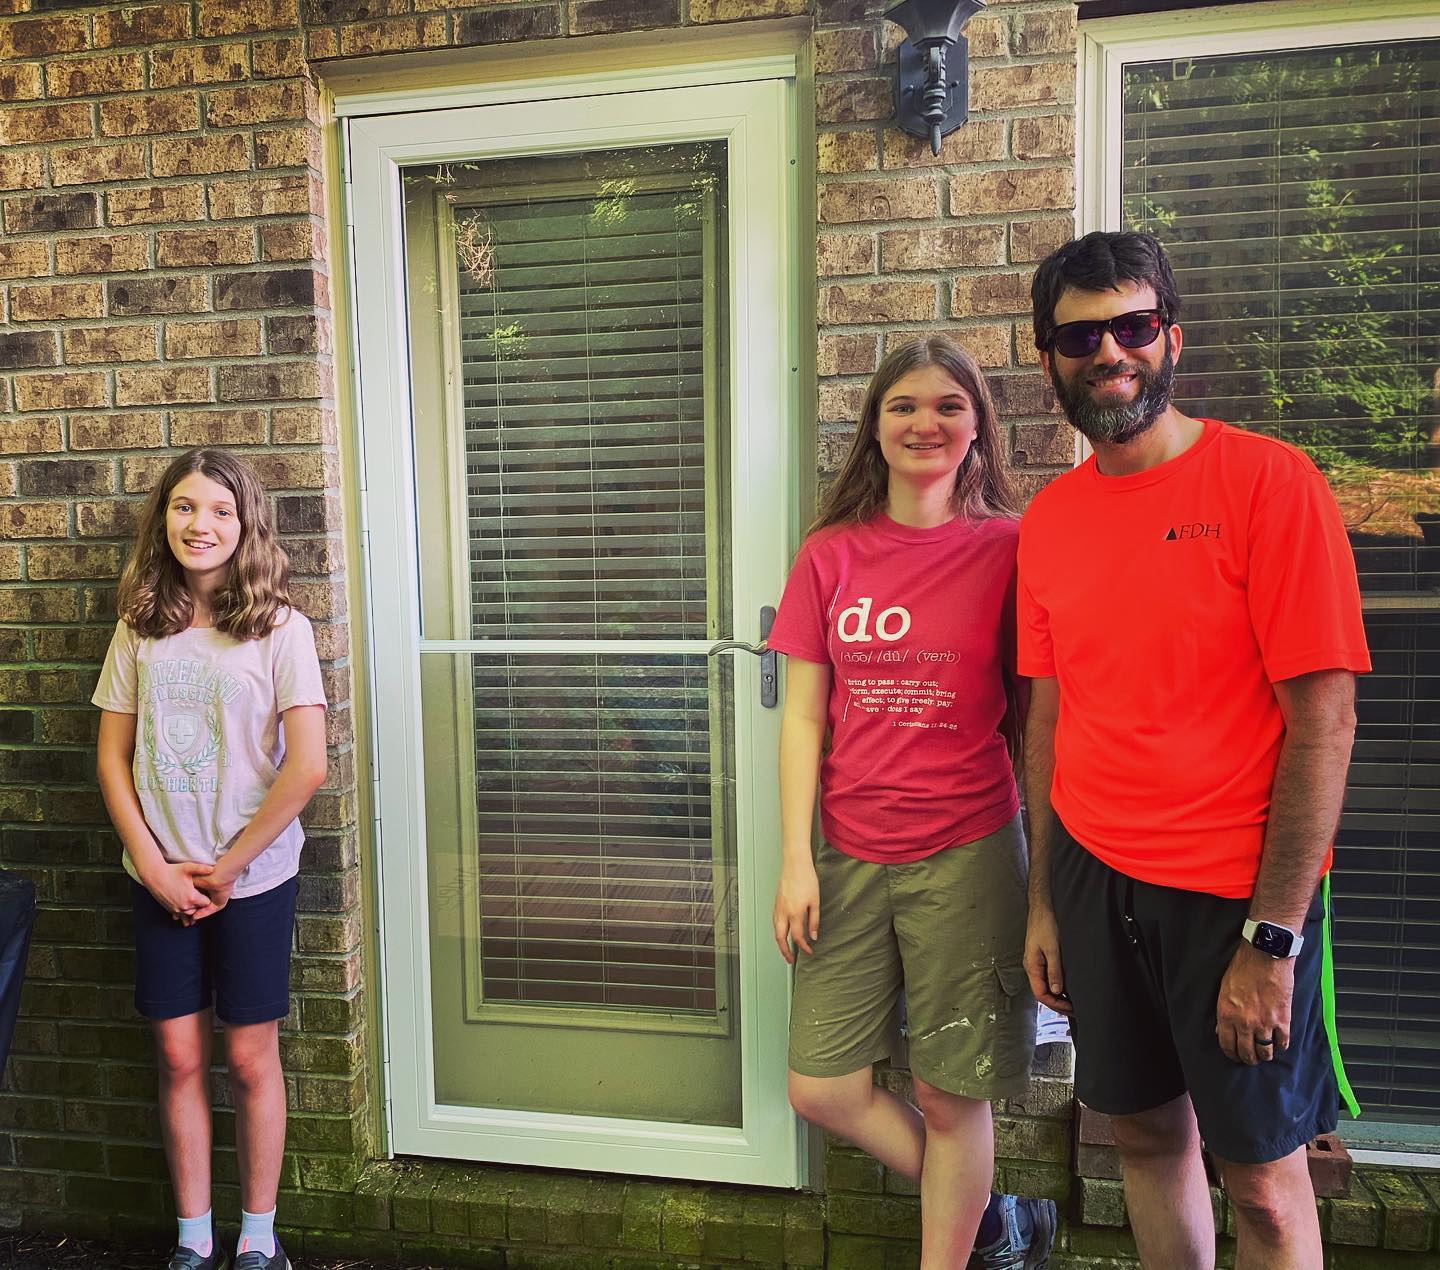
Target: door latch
[[769, 684]]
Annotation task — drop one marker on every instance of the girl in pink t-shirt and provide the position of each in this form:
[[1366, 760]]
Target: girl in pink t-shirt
[[897, 622], [212, 740]]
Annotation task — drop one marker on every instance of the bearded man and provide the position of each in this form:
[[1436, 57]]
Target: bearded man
[[1190, 617]]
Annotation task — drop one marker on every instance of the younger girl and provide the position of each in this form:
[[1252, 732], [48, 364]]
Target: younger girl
[[212, 740], [897, 619]]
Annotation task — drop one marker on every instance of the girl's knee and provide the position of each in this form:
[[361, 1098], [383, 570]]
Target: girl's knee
[[252, 1055], [947, 1112], [831, 1102]]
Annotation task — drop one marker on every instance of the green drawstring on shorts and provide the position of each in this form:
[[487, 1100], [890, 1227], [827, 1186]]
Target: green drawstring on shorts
[[1327, 1000]]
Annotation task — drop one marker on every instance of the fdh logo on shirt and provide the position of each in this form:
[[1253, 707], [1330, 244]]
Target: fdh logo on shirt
[[853, 624]]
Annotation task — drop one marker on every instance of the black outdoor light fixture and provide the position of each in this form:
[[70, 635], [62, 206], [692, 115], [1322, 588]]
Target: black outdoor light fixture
[[932, 88]]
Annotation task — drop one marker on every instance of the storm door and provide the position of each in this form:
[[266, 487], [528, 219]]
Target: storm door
[[578, 461]]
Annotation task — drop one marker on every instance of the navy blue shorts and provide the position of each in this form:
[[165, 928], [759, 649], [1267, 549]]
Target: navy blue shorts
[[237, 960], [1145, 993]]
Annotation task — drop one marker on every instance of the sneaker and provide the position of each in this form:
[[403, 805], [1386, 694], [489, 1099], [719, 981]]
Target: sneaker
[[188, 1259], [1025, 1241], [255, 1260]]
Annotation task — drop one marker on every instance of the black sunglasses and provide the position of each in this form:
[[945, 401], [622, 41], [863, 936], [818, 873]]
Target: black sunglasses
[[1131, 330]]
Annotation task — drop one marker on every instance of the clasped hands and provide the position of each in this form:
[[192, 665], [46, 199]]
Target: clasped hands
[[190, 891]]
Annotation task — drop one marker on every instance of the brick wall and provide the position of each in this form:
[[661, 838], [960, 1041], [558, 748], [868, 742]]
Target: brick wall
[[164, 282]]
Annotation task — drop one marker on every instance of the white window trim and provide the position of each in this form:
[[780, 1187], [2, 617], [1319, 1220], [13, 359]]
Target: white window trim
[[1106, 45], [751, 104]]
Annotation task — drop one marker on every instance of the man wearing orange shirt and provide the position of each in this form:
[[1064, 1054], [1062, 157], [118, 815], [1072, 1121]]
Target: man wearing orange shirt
[[1189, 613]]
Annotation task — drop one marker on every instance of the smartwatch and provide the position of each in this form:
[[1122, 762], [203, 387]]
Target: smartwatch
[[1275, 941]]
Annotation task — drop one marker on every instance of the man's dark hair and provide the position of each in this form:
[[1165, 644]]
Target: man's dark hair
[[1100, 262]]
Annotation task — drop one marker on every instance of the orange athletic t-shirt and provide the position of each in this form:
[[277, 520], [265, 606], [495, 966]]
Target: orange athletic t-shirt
[[1166, 604]]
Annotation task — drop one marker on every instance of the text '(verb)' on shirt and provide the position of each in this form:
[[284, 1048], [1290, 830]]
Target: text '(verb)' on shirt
[[914, 624]]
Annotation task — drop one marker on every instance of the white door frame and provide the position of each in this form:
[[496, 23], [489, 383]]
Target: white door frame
[[755, 119]]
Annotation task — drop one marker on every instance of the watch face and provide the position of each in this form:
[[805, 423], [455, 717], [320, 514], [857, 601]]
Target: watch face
[[1271, 939]]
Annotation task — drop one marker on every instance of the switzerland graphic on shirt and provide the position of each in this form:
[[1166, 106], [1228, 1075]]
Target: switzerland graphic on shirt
[[915, 625]]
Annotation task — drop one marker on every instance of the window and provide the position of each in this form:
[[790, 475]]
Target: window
[[1298, 194]]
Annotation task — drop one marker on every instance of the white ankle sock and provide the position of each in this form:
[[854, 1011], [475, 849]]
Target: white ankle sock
[[197, 1233], [257, 1233]]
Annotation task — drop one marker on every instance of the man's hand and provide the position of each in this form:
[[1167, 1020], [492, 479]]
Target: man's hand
[[1042, 958], [797, 909], [1254, 1006], [173, 887], [216, 887]]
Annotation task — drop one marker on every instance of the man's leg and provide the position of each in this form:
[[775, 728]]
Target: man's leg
[[252, 1053], [1277, 1226], [1165, 1187], [182, 1054]]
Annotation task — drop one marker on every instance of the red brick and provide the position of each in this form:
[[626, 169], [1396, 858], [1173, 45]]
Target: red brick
[[844, 254], [505, 25], [90, 165], [21, 81], [265, 196], [31, 436], [155, 204], [294, 240], [139, 473], [67, 122], [987, 343], [22, 169], [304, 425], [275, 382], [989, 294], [296, 469], [897, 199], [69, 390], [394, 36], [289, 148], [234, 337], [1043, 137], [199, 64], [209, 152], [846, 152], [34, 520], [271, 289], [27, 349], [278, 59], [117, 343], [944, 248], [599, 17], [846, 355], [1049, 31], [140, 296], [1004, 87], [322, 44], [298, 333], [111, 518], [256, 103], [72, 560], [44, 37], [1044, 444], [90, 76], [161, 387], [1012, 190], [151, 24], [1032, 240], [740, 10], [213, 245], [111, 253], [55, 301], [217, 427], [234, 17], [51, 213], [854, 100], [24, 259], [852, 49], [840, 403], [146, 113], [878, 302], [976, 141], [116, 430]]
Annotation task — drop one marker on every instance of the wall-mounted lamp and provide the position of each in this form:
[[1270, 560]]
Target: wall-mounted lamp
[[932, 87]]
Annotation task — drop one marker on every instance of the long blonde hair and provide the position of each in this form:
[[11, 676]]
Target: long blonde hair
[[153, 598], [982, 481]]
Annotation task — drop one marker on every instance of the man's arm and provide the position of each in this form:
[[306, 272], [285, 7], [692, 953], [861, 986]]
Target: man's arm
[[1042, 938], [1305, 801]]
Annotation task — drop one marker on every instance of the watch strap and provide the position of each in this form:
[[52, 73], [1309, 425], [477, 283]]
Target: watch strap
[[1247, 932]]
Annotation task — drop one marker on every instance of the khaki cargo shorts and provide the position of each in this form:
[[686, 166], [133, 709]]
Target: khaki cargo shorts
[[950, 931]]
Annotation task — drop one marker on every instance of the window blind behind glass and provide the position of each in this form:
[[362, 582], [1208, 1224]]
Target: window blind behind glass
[[1296, 194]]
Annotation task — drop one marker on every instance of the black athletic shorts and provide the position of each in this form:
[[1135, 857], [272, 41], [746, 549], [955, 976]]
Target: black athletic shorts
[[1143, 966]]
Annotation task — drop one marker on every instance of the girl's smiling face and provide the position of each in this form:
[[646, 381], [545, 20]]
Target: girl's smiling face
[[927, 425], [202, 527]]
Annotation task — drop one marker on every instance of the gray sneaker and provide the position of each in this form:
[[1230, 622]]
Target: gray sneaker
[[254, 1260], [188, 1259], [1027, 1237]]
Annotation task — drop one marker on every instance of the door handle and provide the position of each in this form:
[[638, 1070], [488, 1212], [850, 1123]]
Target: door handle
[[769, 685]]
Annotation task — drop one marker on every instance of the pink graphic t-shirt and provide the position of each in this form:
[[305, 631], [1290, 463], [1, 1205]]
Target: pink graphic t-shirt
[[917, 627], [208, 736]]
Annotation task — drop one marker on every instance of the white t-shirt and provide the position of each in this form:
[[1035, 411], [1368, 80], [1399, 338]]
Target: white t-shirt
[[208, 736]]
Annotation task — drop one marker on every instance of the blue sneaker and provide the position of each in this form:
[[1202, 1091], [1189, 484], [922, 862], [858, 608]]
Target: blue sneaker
[[1027, 1235]]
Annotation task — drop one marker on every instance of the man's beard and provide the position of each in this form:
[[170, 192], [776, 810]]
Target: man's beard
[[1115, 425]]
